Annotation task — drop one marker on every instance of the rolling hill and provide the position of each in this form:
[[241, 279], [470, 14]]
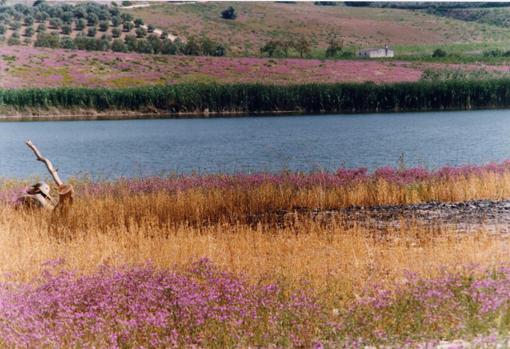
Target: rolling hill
[[258, 22]]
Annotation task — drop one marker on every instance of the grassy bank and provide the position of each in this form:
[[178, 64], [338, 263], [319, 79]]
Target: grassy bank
[[242, 198], [173, 263], [205, 99]]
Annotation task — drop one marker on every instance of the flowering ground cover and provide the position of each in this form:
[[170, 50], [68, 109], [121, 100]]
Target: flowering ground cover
[[203, 306], [343, 188], [38, 67], [144, 307], [342, 177]]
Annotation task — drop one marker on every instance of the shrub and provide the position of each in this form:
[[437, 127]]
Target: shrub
[[138, 22], [126, 17], [91, 31], [2, 29], [302, 46], [164, 35], [102, 45], [14, 39], [104, 26], [209, 47], [439, 53], [83, 42], [67, 17], [41, 16], [151, 28], [67, 29], [167, 47], [41, 28], [80, 24], [118, 46], [114, 11], [276, 48], [334, 47], [140, 32], [68, 43], [15, 25], [155, 42], [29, 32], [29, 21], [130, 41], [116, 21], [192, 47], [50, 40], [126, 3], [116, 32], [127, 26], [92, 20], [358, 3], [143, 46], [229, 13], [55, 23], [104, 15], [80, 12]]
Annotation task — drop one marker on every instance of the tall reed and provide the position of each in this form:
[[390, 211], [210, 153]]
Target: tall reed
[[258, 98]]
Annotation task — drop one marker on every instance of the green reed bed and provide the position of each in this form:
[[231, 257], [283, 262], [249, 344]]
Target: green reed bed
[[259, 98]]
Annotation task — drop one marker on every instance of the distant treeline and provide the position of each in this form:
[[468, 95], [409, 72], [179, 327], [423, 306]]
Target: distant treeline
[[257, 98]]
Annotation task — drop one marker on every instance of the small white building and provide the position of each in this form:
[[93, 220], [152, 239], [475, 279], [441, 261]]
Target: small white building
[[376, 52]]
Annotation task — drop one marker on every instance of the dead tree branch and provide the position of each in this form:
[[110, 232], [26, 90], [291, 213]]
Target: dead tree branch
[[49, 165]]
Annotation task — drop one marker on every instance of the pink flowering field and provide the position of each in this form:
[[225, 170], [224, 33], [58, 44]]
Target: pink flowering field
[[22, 67], [203, 306], [415, 178]]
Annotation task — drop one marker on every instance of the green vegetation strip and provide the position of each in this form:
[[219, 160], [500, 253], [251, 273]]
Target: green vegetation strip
[[254, 98]]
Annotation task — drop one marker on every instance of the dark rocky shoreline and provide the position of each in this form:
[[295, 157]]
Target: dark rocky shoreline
[[465, 217]]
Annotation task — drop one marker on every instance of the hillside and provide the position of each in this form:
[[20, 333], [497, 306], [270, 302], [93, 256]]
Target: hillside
[[108, 45], [44, 67], [493, 16], [257, 23]]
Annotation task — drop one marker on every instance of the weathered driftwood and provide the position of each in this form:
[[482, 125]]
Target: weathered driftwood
[[65, 191], [49, 165]]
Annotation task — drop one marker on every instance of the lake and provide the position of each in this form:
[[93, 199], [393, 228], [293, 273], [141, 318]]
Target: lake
[[132, 148]]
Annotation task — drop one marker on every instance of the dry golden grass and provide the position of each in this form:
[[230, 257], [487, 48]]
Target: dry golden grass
[[246, 204], [336, 260]]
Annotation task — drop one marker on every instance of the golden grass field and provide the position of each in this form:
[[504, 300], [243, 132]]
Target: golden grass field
[[176, 228], [368, 286]]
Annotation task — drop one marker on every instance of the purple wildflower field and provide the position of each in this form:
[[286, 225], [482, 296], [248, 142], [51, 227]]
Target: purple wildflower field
[[38, 67], [203, 306], [472, 300], [148, 308], [342, 177]]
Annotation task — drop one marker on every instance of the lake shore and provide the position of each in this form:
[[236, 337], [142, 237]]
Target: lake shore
[[59, 114], [54, 114], [205, 100]]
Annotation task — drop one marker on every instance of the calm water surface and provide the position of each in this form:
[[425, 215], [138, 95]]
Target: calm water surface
[[151, 147]]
